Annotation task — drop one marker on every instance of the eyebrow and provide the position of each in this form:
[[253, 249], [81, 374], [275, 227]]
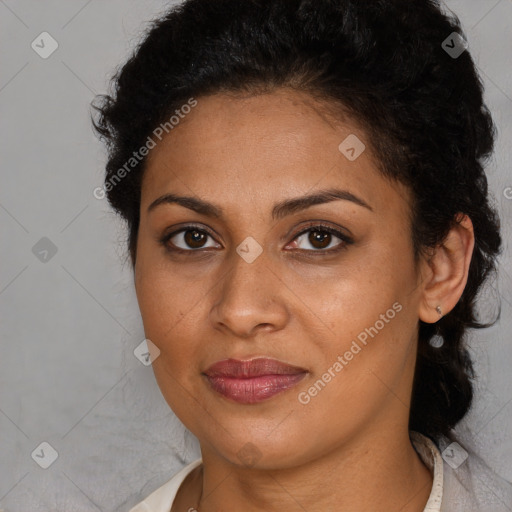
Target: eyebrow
[[280, 210]]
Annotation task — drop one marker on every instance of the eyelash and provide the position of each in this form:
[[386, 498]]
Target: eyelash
[[345, 240]]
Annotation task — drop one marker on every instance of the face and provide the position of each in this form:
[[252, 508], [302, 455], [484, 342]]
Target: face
[[328, 287]]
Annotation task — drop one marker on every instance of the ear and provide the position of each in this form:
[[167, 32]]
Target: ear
[[445, 273]]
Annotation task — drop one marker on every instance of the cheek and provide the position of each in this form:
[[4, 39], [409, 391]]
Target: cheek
[[170, 306], [165, 297], [366, 315], [166, 311], [168, 319], [346, 299]]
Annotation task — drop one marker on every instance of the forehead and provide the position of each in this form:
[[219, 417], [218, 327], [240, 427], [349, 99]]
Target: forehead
[[262, 147]]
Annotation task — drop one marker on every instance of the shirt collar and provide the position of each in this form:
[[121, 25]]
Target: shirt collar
[[431, 457]]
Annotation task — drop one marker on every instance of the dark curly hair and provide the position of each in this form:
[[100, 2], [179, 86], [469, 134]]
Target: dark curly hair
[[382, 63]]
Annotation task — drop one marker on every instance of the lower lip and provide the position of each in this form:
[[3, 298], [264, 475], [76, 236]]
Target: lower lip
[[255, 389]]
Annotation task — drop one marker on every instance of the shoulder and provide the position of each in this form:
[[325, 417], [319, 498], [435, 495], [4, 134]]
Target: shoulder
[[161, 499], [469, 484]]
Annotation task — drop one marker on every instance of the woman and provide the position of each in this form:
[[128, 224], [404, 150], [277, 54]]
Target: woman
[[309, 226]]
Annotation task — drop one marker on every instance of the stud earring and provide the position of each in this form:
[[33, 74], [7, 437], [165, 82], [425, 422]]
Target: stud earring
[[439, 311]]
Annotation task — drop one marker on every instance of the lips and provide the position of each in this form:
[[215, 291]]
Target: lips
[[252, 368], [254, 380]]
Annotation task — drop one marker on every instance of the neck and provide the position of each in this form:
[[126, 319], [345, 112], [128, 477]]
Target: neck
[[377, 471]]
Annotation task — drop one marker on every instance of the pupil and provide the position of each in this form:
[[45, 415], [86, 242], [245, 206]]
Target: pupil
[[194, 238], [321, 237]]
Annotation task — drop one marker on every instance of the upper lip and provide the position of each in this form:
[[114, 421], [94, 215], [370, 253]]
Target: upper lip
[[257, 367]]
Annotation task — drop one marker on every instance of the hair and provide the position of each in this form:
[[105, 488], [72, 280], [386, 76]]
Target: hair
[[380, 62]]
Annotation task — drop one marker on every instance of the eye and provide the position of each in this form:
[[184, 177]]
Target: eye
[[322, 239], [187, 239]]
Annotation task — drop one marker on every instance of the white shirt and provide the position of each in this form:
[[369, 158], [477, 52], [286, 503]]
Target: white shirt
[[461, 482]]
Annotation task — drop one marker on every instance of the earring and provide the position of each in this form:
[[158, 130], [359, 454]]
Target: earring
[[439, 311]]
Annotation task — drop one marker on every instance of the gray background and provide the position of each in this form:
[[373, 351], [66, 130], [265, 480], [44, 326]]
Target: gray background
[[70, 321]]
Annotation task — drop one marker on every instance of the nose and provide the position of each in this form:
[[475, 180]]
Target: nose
[[249, 298]]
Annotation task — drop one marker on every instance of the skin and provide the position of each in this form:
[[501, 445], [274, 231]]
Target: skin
[[348, 448]]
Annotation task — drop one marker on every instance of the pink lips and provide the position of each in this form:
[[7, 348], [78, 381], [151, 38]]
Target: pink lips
[[252, 381]]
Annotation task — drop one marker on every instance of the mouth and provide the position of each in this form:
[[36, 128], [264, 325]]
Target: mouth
[[252, 381]]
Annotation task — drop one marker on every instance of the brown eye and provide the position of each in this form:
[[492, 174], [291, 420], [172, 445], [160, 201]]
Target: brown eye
[[188, 239], [322, 239], [319, 239], [194, 238]]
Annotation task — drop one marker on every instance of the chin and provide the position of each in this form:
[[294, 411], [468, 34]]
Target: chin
[[262, 452]]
